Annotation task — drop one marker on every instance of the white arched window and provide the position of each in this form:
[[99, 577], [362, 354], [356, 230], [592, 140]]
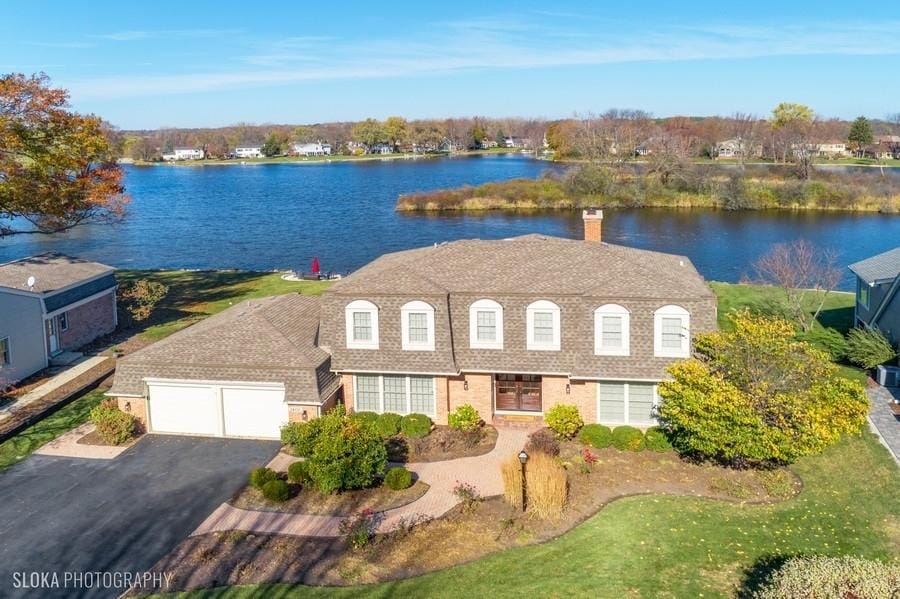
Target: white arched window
[[672, 332], [485, 325], [542, 320], [612, 330], [417, 326], [362, 325]]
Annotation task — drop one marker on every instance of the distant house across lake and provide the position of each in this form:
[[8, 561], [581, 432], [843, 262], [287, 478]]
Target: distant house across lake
[[312, 149], [248, 151], [184, 153]]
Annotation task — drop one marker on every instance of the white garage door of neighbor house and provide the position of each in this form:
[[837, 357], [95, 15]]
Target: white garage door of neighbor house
[[217, 410]]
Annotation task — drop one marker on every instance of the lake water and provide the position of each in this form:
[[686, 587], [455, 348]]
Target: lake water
[[279, 216]]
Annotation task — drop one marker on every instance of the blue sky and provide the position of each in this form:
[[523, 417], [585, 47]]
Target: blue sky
[[153, 64]]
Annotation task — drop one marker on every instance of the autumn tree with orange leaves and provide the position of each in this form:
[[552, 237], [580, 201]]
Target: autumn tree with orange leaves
[[56, 167]]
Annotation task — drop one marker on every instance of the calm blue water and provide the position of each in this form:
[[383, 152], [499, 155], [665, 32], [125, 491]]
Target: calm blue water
[[280, 216]]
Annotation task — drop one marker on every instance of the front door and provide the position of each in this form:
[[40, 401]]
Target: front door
[[51, 336], [518, 393]]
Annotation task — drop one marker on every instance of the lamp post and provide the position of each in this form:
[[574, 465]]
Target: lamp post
[[523, 457]]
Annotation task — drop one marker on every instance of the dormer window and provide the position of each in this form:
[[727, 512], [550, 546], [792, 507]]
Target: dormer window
[[417, 324], [611, 330], [362, 325], [672, 332], [542, 321], [486, 325]]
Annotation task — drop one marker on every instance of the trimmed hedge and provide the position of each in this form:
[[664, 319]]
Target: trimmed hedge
[[276, 490], [388, 424], [260, 476], [302, 436], [398, 478], [113, 425], [627, 438], [298, 473], [655, 439], [596, 435], [564, 420], [370, 417], [415, 426]]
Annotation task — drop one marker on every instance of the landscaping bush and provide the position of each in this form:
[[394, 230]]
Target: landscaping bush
[[564, 420], [596, 435], [359, 528], [869, 348], [113, 425], [467, 494], [655, 439], [398, 478], [546, 486], [415, 426], [368, 417], [755, 394], [542, 440], [388, 424], [260, 476], [302, 436], [349, 454], [298, 473], [627, 438], [464, 418], [276, 490], [821, 576], [511, 472]]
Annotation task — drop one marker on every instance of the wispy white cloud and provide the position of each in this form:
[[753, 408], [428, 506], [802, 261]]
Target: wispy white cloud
[[139, 35], [502, 42]]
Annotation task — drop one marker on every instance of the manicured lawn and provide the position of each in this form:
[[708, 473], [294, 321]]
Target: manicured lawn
[[194, 295], [51, 427]]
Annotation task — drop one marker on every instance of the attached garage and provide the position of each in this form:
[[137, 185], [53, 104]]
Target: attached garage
[[217, 410]]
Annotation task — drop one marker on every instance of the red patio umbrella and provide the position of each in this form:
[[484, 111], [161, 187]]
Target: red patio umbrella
[[315, 266]]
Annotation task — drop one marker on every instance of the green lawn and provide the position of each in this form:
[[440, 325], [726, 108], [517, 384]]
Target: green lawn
[[51, 427]]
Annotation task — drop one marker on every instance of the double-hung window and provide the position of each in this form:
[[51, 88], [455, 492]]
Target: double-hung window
[[5, 356], [417, 326], [396, 393], [485, 325], [611, 330], [543, 322], [672, 332], [862, 293], [362, 325]]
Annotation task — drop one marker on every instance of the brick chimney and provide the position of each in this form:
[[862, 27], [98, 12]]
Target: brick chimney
[[593, 224]]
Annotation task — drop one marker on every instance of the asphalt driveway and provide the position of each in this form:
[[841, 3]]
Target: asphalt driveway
[[61, 515]]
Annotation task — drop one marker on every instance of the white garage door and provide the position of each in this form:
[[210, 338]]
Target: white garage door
[[189, 410], [256, 413], [217, 410]]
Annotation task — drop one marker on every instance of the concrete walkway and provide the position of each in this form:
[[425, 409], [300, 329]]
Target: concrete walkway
[[882, 419], [481, 471], [53, 384], [67, 446]]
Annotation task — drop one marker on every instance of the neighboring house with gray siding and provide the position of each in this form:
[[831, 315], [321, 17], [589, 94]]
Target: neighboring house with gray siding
[[878, 293], [51, 303]]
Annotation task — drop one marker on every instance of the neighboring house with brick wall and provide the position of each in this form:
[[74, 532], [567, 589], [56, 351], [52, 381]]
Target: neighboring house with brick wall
[[878, 293], [49, 304]]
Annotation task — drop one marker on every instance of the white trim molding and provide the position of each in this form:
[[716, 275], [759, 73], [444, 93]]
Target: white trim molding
[[542, 307], [361, 307], [670, 313], [485, 306], [407, 311], [612, 311]]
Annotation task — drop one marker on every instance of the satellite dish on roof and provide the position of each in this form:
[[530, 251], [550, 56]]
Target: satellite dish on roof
[[31, 281]]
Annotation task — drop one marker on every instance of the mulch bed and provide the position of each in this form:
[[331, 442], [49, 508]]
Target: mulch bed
[[443, 443], [93, 438], [463, 534], [311, 501]]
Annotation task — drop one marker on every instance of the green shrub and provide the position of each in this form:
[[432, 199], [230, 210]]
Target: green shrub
[[564, 420], [820, 576], [596, 435], [542, 440], [828, 340], [276, 490], [869, 348], [113, 425], [369, 417], [388, 424], [298, 473], [656, 439], [260, 476], [415, 426], [627, 438], [398, 478], [301, 436], [464, 418], [349, 454]]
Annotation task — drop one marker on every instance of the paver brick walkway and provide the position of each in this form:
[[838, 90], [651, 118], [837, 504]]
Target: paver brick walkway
[[883, 419], [481, 471]]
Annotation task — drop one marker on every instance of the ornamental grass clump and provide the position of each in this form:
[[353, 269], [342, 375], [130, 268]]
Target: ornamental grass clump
[[546, 486], [511, 472]]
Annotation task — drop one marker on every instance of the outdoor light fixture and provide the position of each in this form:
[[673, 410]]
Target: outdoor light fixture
[[127, 406], [465, 385], [568, 388], [523, 457], [304, 416]]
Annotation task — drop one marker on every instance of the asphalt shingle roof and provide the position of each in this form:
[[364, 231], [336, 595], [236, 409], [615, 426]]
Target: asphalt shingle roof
[[883, 267], [52, 271]]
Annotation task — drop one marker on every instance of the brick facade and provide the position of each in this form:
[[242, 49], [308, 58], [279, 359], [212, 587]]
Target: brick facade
[[480, 394], [137, 407], [87, 322]]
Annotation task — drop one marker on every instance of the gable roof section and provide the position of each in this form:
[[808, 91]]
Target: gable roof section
[[879, 269], [52, 272], [272, 339]]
